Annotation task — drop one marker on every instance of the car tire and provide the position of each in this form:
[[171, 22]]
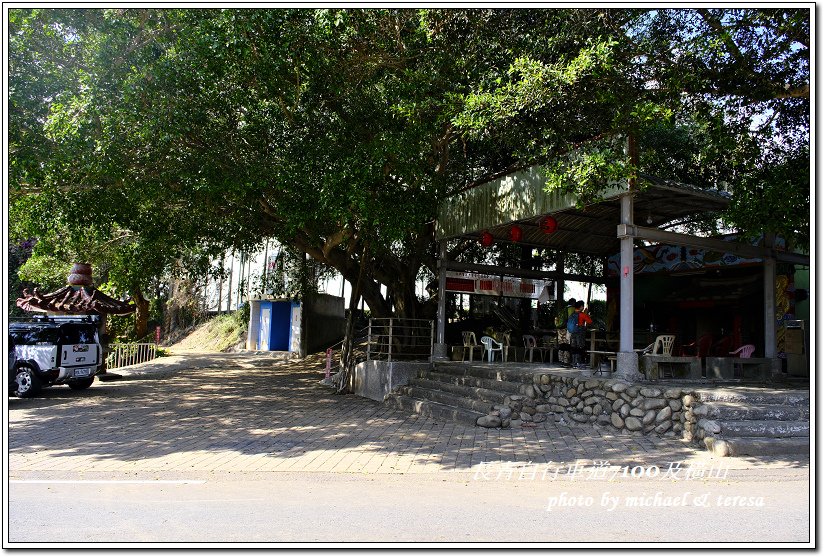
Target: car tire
[[80, 384], [26, 382]]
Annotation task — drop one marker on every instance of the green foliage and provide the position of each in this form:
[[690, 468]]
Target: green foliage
[[121, 328], [337, 131], [533, 85], [585, 171], [293, 275], [598, 312], [49, 273], [716, 97], [18, 254], [778, 193]]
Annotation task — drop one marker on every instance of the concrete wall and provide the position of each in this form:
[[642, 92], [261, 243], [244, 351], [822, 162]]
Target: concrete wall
[[326, 304], [375, 379], [254, 325], [324, 323]]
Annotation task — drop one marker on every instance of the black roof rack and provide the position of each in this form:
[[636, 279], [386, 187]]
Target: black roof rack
[[56, 319]]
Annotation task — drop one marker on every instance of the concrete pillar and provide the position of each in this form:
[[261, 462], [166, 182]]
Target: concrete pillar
[[440, 351], [525, 305], [769, 301], [627, 360], [560, 284], [254, 325], [103, 337]]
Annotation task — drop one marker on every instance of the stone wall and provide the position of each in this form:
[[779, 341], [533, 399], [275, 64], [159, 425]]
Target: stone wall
[[607, 402]]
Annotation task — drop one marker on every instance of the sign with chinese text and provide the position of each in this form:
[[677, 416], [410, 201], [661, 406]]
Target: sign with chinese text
[[490, 285]]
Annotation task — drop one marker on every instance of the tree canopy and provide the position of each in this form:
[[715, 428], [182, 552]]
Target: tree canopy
[[164, 132]]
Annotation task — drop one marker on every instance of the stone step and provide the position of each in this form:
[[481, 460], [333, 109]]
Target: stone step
[[447, 398], [764, 428], [755, 396], [493, 371], [757, 446], [747, 411], [478, 393], [507, 387], [435, 410]]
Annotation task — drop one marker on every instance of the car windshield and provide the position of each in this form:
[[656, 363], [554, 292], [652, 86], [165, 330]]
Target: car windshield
[[35, 335], [78, 334]]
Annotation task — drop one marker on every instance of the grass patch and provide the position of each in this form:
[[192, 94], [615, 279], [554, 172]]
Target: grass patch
[[219, 334]]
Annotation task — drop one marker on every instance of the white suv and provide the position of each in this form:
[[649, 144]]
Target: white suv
[[47, 351]]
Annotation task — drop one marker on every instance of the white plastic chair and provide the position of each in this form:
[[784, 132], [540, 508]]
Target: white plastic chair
[[506, 343], [665, 342], [490, 347], [531, 345], [549, 345], [469, 343]]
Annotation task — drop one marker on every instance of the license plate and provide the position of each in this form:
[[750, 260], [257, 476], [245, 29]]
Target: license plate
[[82, 372]]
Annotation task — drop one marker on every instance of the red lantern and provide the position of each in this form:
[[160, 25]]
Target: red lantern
[[516, 233], [548, 225], [486, 239]]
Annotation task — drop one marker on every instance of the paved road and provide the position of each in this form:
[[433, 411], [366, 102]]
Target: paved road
[[324, 507], [234, 447]]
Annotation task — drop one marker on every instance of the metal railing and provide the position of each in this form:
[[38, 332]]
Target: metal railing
[[400, 339], [128, 354], [333, 353]]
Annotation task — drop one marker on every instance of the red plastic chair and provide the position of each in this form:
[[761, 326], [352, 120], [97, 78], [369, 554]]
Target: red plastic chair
[[700, 347], [722, 347]]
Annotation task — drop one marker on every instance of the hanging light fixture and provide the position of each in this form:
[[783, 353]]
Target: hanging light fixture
[[548, 225], [486, 239], [516, 233]]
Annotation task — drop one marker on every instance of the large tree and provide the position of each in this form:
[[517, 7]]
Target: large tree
[[338, 131], [718, 98]]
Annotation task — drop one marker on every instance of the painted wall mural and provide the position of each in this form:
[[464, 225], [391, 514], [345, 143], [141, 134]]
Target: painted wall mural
[[674, 259]]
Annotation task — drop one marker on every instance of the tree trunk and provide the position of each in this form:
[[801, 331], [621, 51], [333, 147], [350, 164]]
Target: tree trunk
[[347, 360], [229, 289], [141, 316]]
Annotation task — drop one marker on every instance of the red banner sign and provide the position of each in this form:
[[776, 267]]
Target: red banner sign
[[487, 285]]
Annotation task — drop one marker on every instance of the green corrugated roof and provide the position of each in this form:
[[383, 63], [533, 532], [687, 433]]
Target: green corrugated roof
[[522, 198]]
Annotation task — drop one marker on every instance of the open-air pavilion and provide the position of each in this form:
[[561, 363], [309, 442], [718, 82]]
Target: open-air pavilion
[[707, 404], [628, 216]]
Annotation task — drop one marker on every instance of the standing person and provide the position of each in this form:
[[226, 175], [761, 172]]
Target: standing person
[[570, 307], [576, 327], [564, 354]]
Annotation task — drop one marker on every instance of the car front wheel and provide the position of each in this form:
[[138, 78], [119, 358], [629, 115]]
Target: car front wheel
[[79, 384], [26, 382]]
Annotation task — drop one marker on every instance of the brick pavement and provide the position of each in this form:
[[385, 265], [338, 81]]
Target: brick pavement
[[256, 413]]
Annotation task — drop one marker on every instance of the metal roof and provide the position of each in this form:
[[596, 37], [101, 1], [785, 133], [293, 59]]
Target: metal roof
[[520, 198]]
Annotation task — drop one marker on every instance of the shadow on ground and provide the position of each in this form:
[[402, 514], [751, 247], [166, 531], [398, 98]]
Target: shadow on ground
[[253, 404]]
